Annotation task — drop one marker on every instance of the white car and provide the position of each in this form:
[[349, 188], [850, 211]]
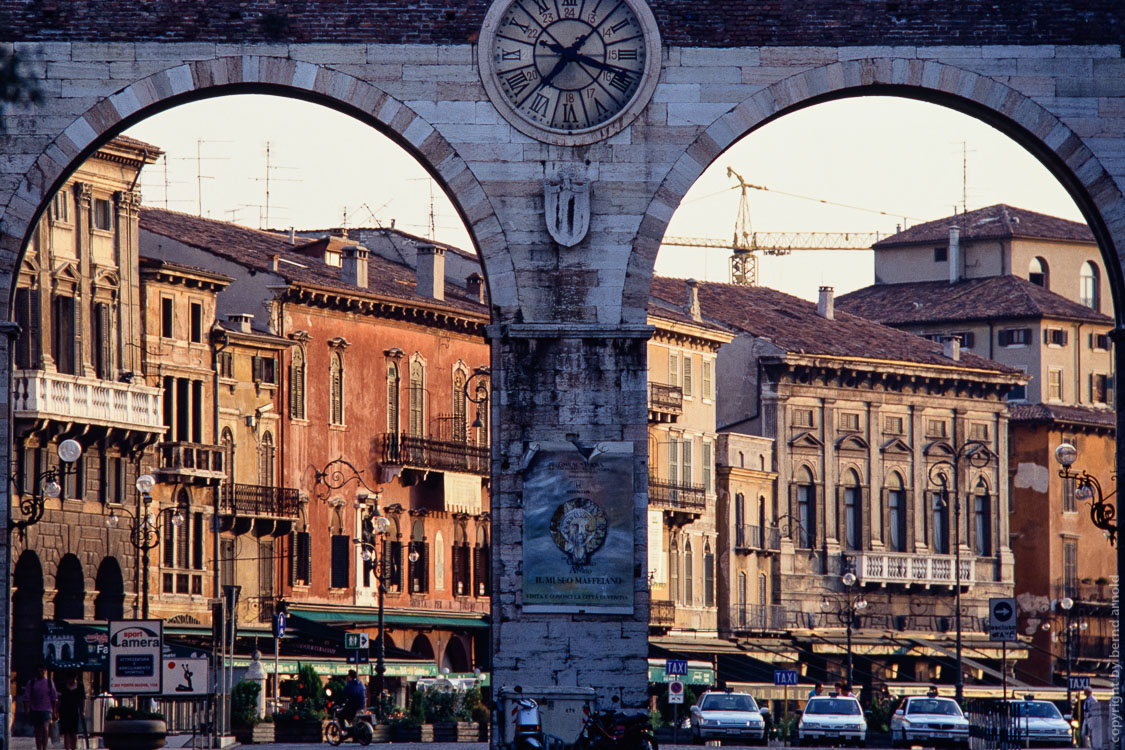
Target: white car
[[930, 721], [1039, 723], [727, 716], [832, 719]]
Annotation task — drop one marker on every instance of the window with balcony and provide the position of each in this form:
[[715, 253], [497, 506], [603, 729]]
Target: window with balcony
[[939, 509], [740, 539], [853, 511], [297, 384], [896, 512], [806, 510], [982, 523], [267, 455], [65, 329], [686, 450], [417, 399], [336, 388], [1089, 286], [393, 423]]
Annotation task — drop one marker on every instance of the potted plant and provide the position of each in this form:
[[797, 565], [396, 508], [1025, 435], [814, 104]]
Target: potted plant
[[304, 719], [247, 726], [128, 728]]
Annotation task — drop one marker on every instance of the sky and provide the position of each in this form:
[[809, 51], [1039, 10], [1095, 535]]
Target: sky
[[868, 164]]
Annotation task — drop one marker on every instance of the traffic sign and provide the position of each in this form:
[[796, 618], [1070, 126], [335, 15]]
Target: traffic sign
[[1002, 619], [359, 656], [186, 677], [1075, 682], [675, 692], [676, 667], [355, 641], [279, 625], [785, 677]]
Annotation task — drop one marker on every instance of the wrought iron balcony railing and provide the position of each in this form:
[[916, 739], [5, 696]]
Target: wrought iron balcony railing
[[763, 539], [192, 461], [665, 402], [757, 617], [911, 569], [410, 451], [680, 496], [258, 500]]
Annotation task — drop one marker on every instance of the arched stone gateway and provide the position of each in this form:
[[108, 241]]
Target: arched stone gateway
[[569, 327]]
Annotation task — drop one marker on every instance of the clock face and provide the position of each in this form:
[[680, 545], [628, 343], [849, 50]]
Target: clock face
[[568, 66]]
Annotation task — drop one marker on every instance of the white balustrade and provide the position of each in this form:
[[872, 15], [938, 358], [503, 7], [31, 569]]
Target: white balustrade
[[72, 398], [904, 568]]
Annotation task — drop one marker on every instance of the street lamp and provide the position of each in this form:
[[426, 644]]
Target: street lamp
[[371, 543], [333, 477], [144, 531], [977, 454], [47, 485], [1071, 630], [478, 394], [1087, 487], [846, 608]]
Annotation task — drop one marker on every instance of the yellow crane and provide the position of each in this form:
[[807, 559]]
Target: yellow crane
[[747, 243]]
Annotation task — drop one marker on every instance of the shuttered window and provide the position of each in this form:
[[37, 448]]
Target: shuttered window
[[341, 561], [394, 566], [460, 426], [393, 424], [65, 335], [300, 558], [103, 340], [708, 577], [297, 385], [197, 541], [417, 399], [27, 317], [336, 388]]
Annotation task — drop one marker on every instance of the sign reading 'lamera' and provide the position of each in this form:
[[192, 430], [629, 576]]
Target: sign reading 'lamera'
[[578, 529]]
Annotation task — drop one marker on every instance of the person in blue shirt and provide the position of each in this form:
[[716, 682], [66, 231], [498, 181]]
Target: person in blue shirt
[[355, 698]]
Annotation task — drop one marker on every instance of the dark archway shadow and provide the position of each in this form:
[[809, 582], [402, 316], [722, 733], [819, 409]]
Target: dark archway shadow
[[70, 589], [27, 616], [455, 658], [422, 647], [109, 603]]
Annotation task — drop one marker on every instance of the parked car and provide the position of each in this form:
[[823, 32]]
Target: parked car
[[727, 716], [936, 721], [832, 720], [1035, 722]]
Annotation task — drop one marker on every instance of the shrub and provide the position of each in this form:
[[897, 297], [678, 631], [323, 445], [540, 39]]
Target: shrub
[[244, 703], [309, 700]]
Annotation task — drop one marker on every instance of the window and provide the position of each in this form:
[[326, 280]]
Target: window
[[1070, 568], [742, 591], [394, 558], [297, 384], [103, 215], [673, 368], [674, 571], [1099, 341], [978, 431], [674, 460], [849, 421], [707, 472], [1055, 336], [1069, 502], [1014, 337], [460, 423], [1054, 384], [1099, 388], [27, 317], [939, 509], [937, 428], [941, 254], [418, 557], [341, 561], [226, 365], [708, 380], [708, 576], [112, 486], [740, 539], [265, 578], [688, 447], [482, 563], [336, 388], [73, 481], [853, 511], [103, 341], [227, 441], [417, 398], [300, 558], [802, 417], [896, 506], [1038, 274], [392, 397], [982, 524], [462, 586], [264, 370], [892, 425], [1088, 286], [806, 511], [183, 548], [166, 317], [196, 323], [688, 385], [65, 335], [60, 207], [266, 455], [439, 562], [689, 575]]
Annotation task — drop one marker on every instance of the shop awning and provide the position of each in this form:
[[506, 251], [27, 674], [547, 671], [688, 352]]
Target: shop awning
[[339, 616]]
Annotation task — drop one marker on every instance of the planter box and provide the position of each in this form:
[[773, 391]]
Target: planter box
[[134, 734], [400, 733], [456, 731], [264, 733], [381, 733], [291, 731]]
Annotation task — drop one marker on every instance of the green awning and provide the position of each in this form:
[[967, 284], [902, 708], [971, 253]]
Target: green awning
[[290, 665], [368, 616]]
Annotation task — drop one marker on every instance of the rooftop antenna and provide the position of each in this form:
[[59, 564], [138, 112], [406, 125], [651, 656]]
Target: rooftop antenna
[[199, 176], [266, 179], [433, 222]]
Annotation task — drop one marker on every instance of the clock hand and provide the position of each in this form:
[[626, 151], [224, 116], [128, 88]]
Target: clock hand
[[579, 57]]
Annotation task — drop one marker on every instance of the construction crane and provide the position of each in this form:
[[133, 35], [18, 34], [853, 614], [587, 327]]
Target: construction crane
[[747, 243]]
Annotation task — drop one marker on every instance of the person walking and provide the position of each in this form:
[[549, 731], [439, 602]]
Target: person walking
[[72, 701], [41, 702], [818, 689], [1089, 708]]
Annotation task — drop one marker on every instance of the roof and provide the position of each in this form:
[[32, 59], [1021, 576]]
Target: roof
[[1048, 413], [988, 298], [256, 249], [139, 145], [793, 324], [991, 223]]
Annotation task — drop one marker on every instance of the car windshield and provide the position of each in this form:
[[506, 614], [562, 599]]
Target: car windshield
[[728, 703], [846, 706], [933, 706], [1036, 710]]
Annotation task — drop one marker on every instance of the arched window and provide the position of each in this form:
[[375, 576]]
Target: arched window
[[297, 384], [482, 563], [689, 575], [457, 398], [439, 561], [853, 510], [740, 539], [461, 561], [266, 455], [896, 510], [336, 386], [1088, 286], [762, 522], [806, 510], [674, 571], [417, 398], [741, 615], [708, 576], [392, 397], [982, 520], [227, 440], [939, 525], [418, 559], [1038, 273]]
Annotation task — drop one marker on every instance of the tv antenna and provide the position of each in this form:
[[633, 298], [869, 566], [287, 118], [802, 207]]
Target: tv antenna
[[270, 168]]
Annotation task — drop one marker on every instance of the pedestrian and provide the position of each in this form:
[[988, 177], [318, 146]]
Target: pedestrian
[[816, 690], [1089, 708], [72, 700], [41, 702], [932, 692], [846, 690]]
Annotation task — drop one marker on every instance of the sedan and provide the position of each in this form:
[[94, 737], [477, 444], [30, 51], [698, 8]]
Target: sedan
[[937, 721], [727, 715], [832, 719], [1039, 723]]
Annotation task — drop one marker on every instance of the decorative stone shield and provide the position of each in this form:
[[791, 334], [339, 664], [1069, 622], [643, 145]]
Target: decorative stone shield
[[566, 202]]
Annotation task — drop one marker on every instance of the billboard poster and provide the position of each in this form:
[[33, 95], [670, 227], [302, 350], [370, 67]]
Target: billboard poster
[[578, 529], [135, 649]]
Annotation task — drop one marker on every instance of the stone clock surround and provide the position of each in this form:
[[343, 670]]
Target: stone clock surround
[[569, 327]]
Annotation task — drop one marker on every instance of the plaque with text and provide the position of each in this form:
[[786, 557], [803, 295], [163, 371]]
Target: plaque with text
[[578, 529]]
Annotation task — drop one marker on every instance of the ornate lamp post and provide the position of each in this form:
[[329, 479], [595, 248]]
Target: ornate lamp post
[[946, 473], [1071, 630], [478, 394], [371, 545], [846, 607], [47, 485], [144, 531]]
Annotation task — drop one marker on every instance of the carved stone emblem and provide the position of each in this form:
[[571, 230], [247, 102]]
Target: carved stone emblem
[[566, 205], [578, 528]]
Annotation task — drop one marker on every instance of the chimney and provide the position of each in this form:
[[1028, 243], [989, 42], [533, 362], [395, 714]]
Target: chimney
[[431, 271], [474, 287], [824, 305], [954, 254], [951, 346], [292, 236], [241, 321], [275, 261], [693, 300], [353, 265]]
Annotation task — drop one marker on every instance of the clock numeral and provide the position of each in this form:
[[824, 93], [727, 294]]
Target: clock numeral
[[570, 12], [525, 26], [570, 3], [592, 19], [511, 54], [539, 104], [623, 54], [542, 6], [591, 92], [615, 28], [600, 107], [621, 82], [518, 82], [570, 114]]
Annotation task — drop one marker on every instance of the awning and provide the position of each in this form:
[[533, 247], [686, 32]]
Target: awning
[[368, 616], [394, 668]]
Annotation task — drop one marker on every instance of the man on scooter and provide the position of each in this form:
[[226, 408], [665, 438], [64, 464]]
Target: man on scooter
[[355, 698]]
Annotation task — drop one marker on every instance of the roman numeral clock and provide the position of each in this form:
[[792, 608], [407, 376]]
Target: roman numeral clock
[[569, 72]]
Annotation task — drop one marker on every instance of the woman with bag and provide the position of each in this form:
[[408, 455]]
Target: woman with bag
[[41, 702], [72, 698]]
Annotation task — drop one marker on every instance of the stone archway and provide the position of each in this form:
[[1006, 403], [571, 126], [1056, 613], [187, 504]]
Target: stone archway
[[70, 589], [27, 615], [109, 603]]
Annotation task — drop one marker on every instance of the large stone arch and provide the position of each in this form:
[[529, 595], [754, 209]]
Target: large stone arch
[[1017, 115], [257, 74]]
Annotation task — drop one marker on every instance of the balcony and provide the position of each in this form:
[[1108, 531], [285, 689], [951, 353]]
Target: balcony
[[665, 402], [911, 570], [190, 462], [661, 613], [72, 398], [680, 498], [257, 501], [413, 452], [757, 617], [757, 539]]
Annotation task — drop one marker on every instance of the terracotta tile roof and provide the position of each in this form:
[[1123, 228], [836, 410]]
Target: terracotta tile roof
[[254, 248], [793, 324], [993, 222], [667, 311], [990, 298], [1083, 415], [124, 140]]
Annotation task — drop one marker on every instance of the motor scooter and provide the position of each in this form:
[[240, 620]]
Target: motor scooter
[[529, 727], [336, 731], [613, 729]]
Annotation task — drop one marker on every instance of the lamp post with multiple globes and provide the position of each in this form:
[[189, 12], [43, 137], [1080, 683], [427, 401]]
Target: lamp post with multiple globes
[[144, 531]]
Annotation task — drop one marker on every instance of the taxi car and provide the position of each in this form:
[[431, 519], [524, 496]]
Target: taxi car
[[721, 715], [1038, 722], [937, 721], [832, 719]]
